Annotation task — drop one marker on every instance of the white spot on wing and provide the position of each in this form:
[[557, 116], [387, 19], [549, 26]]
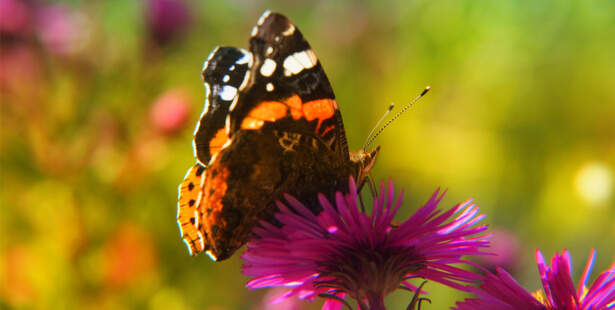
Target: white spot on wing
[[307, 58], [226, 78], [298, 61], [254, 31], [269, 51], [269, 87], [292, 64], [289, 31], [268, 67], [227, 93], [262, 18], [247, 58]]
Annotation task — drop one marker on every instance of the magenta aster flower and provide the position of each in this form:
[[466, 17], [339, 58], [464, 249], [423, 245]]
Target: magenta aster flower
[[168, 20], [343, 251], [502, 292]]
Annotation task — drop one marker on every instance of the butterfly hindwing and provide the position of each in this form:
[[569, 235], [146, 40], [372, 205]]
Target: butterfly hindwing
[[190, 198]]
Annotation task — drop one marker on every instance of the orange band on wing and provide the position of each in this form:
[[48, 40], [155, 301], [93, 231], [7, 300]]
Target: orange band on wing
[[267, 111], [251, 123], [321, 109], [296, 107], [218, 141], [270, 111]]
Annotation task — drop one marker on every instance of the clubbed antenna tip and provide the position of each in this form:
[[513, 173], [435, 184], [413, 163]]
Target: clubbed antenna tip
[[389, 122]]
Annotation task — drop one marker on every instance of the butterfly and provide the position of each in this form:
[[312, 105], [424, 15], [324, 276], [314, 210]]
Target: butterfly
[[271, 125]]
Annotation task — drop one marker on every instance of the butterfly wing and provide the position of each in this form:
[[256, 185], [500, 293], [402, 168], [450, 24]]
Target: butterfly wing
[[271, 126], [224, 75], [288, 81], [190, 198]]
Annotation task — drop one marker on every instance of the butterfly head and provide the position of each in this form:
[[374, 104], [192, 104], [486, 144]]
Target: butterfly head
[[365, 162]]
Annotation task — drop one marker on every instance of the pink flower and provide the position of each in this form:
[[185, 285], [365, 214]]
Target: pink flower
[[167, 19], [343, 251], [15, 18], [169, 112], [61, 30], [507, 249], [501, 291]]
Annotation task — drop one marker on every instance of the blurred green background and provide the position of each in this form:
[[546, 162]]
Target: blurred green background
[[99, 100]]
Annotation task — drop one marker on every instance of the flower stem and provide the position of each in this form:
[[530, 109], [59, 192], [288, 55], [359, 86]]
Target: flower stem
[[376, 302]]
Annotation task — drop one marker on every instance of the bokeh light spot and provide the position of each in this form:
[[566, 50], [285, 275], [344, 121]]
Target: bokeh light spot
[[594, 183]]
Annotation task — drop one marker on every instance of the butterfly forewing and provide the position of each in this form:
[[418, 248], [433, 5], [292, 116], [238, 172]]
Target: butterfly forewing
[[224, 74]]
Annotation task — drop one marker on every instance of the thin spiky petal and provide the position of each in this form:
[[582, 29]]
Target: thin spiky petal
[[501, 291], [344, 252]]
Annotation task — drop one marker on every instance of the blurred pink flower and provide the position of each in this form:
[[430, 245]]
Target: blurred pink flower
[[501, 291], [507, 249], [15, 18], [167, 20], [61, 30], [169, 112]]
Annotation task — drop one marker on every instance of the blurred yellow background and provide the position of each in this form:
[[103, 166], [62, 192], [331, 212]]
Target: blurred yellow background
[[100, 98]]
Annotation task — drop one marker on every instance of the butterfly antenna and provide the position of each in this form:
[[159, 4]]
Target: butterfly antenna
[[396, 116], [378, 124]]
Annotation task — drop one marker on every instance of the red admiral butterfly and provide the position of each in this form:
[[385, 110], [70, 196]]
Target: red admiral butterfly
[[271, 125]]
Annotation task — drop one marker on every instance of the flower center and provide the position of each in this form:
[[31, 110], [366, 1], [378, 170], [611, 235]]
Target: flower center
[[365, 273]]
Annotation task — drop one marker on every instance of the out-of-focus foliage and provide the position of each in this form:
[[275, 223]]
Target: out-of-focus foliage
[[99, 100]]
